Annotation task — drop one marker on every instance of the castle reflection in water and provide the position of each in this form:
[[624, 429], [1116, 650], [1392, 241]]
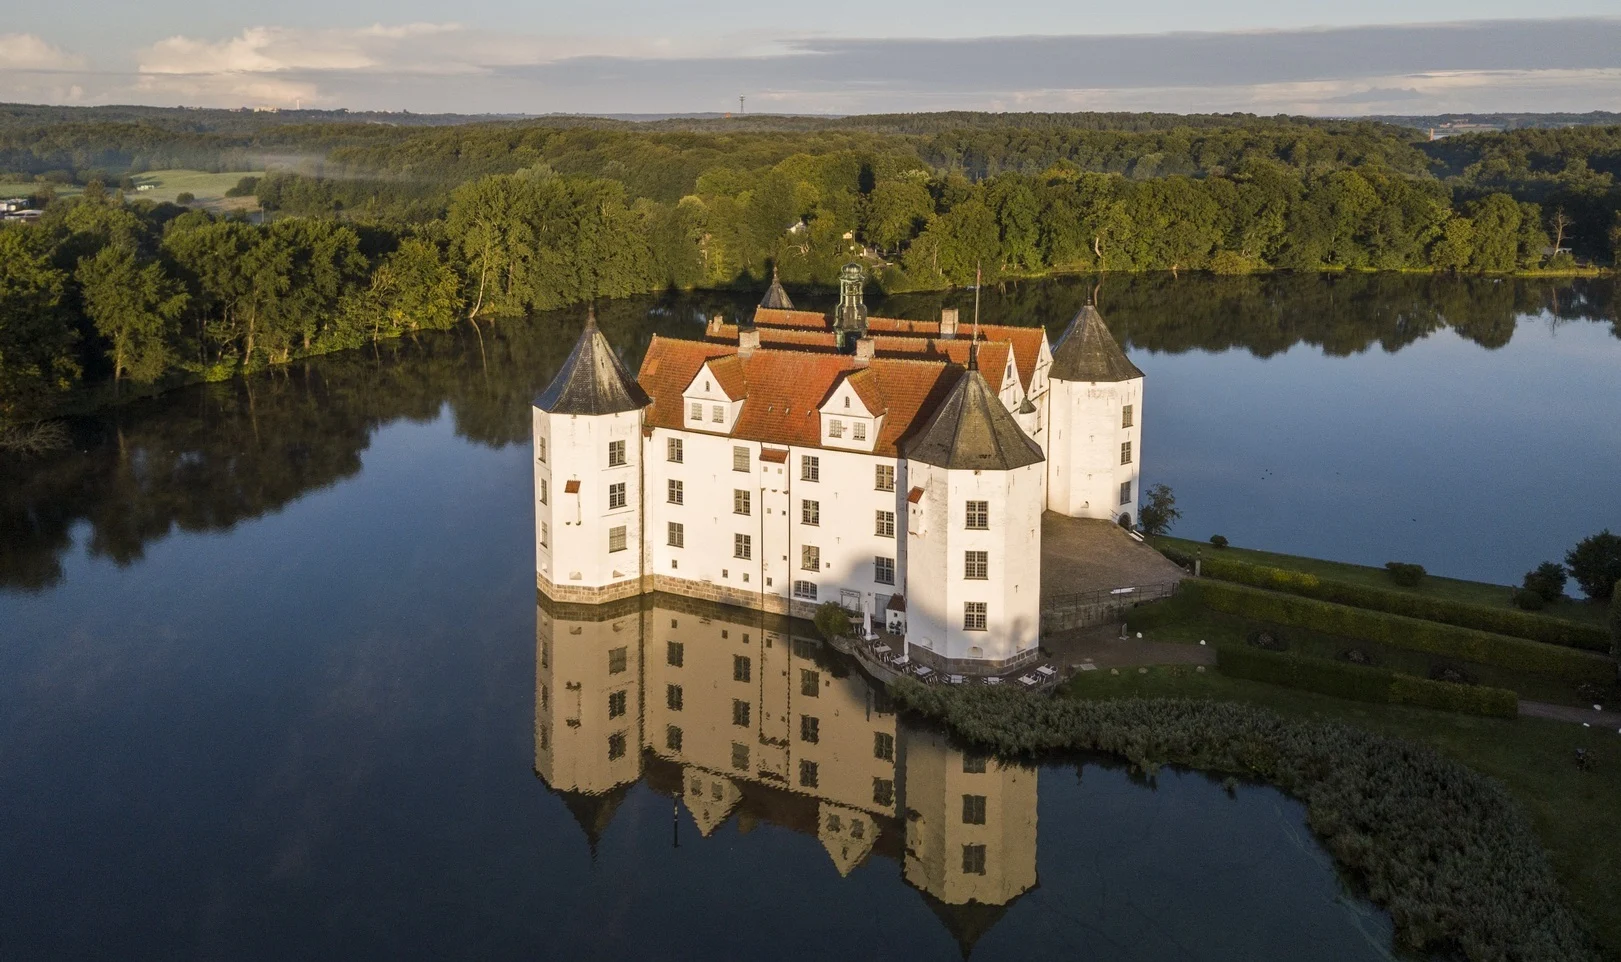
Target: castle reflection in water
[[748, 715]]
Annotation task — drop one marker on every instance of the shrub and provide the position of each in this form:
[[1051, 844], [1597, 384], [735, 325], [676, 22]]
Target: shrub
[[246, 187], [1158, 513], [1595, 563], [1406, 575], [1547, 580], [1363, 683], [1529, 599], [1219, 541], [185, 197], [1501, 621], [831, 621], [1442, 847], [1436, 638]]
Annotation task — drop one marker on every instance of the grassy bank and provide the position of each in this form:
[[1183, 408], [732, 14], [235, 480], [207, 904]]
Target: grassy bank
[[1574, 813]]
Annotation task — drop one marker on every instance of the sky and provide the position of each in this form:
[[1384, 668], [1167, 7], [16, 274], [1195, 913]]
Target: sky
[[833, 57]]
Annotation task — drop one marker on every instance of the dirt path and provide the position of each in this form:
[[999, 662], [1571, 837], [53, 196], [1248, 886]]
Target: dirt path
[[1102, 646], [1565, 713]]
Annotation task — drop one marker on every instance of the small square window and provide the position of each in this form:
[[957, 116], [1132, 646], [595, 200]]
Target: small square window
[[740, 458], [1125, 452], [616, 538], [810, 729], [978, 515], [676, 492], [616, 660], [675, 653], [976, 565], [741, 668], [810, 512], [973, 810], [740, 713], [883, 570], [884, 477], [677, 534], [616, 454], [616, 746], [672, 697], [810, 468], [883, 746], [616, 496], [807, 774], [672, 738], [884, 524], [973, 616], [675, 450]]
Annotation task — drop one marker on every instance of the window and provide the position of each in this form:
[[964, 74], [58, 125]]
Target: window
[[973, 616], [672, 697], [810, 683], [858, 431], [540, 450], [740, 458], [616, 538], [807, 774], [675, 450], [979, 515], [884, 524], [1125, 452], [672, 738], [697, 411], [740, 501], [805, 648], [1125, 492], [976, 565], [676, 492], [883, 570], [616, 704], [1125, 416], [973, 810], [805, 590], [717, 414], [810, 512], [740, 668], [810, 468], [835, 428], [810, 557], [810, 729], [740, 713], [740, 757], [973, 764], [616, 496], [545, 534], [675, 654], [884, 477], [616, 746], [883, 746], [545, 490], [973, 860], [742, 546], [616, 661], [678, 534], [883, 792], [616, 454]]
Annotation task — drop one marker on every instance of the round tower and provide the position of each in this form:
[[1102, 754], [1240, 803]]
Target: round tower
[[1095, 417]]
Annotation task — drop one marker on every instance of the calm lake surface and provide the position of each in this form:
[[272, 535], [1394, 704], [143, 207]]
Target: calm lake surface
[[274, 683]]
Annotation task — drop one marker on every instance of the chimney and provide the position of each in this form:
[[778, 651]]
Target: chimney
[[948, 323], [748, 341], [712, 329], [865, 349]]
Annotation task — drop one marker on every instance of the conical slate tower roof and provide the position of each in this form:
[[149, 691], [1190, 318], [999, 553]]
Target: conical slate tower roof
[[592, 381], [1087, 352], [594, 813], [776, 299], [971, 429]]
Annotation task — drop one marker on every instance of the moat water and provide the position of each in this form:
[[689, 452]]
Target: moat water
[[268, 686]]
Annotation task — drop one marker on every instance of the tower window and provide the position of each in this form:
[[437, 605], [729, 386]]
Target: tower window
[[810, 468], [883, 746], [740, 757], [742, 546], [884, 477], [540, 450], [616, 496], [678, 535], [973, 616], [740, 501], [616, 746], [884, 524], [616, 454], [741, 668], [883, 570], [616, 538], [810, 557], [740, 458], [672, 697], [675, 653], [1125, 452], [545, 534], [810, 512], [1126, 416], [675, 450], [672, 738], [545, 490], [973, 860], [810, 683], [978, 515], [1125, 492], [807, 774], [616, 704], [973, 764], [810, 729], [676, 492], [616, 661], [973, 810], [805, 590], [883, 792], [976, 565], [740, 713]]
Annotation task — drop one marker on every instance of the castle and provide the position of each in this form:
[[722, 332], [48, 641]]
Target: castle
[[899, 468]]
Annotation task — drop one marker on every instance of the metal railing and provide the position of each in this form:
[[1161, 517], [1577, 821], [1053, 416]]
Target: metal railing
[[1121, 597]]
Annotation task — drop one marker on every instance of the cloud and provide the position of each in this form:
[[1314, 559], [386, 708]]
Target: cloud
[[27, 52]]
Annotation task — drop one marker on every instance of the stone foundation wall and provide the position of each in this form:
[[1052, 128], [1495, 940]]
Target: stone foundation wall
[[581, 595], [971, 666]]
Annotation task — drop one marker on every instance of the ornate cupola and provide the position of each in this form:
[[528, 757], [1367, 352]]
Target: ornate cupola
[[850, 317], [592, 380]]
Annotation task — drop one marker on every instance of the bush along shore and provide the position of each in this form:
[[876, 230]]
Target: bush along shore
[[1442, 847], [1362, 683]]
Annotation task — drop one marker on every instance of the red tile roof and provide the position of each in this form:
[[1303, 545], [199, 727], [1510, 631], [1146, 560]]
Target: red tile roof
[[729, 375]]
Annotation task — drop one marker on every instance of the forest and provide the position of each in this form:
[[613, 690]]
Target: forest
[[370, 230]]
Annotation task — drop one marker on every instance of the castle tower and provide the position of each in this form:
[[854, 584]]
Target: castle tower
[[588, 467], [1095, 417], [850, 317], [776, 299], [977, 486]]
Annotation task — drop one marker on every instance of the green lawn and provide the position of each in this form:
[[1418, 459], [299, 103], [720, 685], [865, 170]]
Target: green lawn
[[1472, 592], [167, 185], [1577, 814], [26, 188]]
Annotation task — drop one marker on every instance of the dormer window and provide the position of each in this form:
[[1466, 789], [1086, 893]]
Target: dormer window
[[835, 428], [697, 411], [847, 401], [717, 413], [858, 431]]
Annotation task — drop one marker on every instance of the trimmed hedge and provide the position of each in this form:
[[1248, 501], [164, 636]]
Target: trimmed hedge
[[1498, 621], [1361, 683], [1436, 638], [1443, 847]]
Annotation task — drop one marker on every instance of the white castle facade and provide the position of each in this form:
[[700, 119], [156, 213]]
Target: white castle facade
[[898, 468]]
